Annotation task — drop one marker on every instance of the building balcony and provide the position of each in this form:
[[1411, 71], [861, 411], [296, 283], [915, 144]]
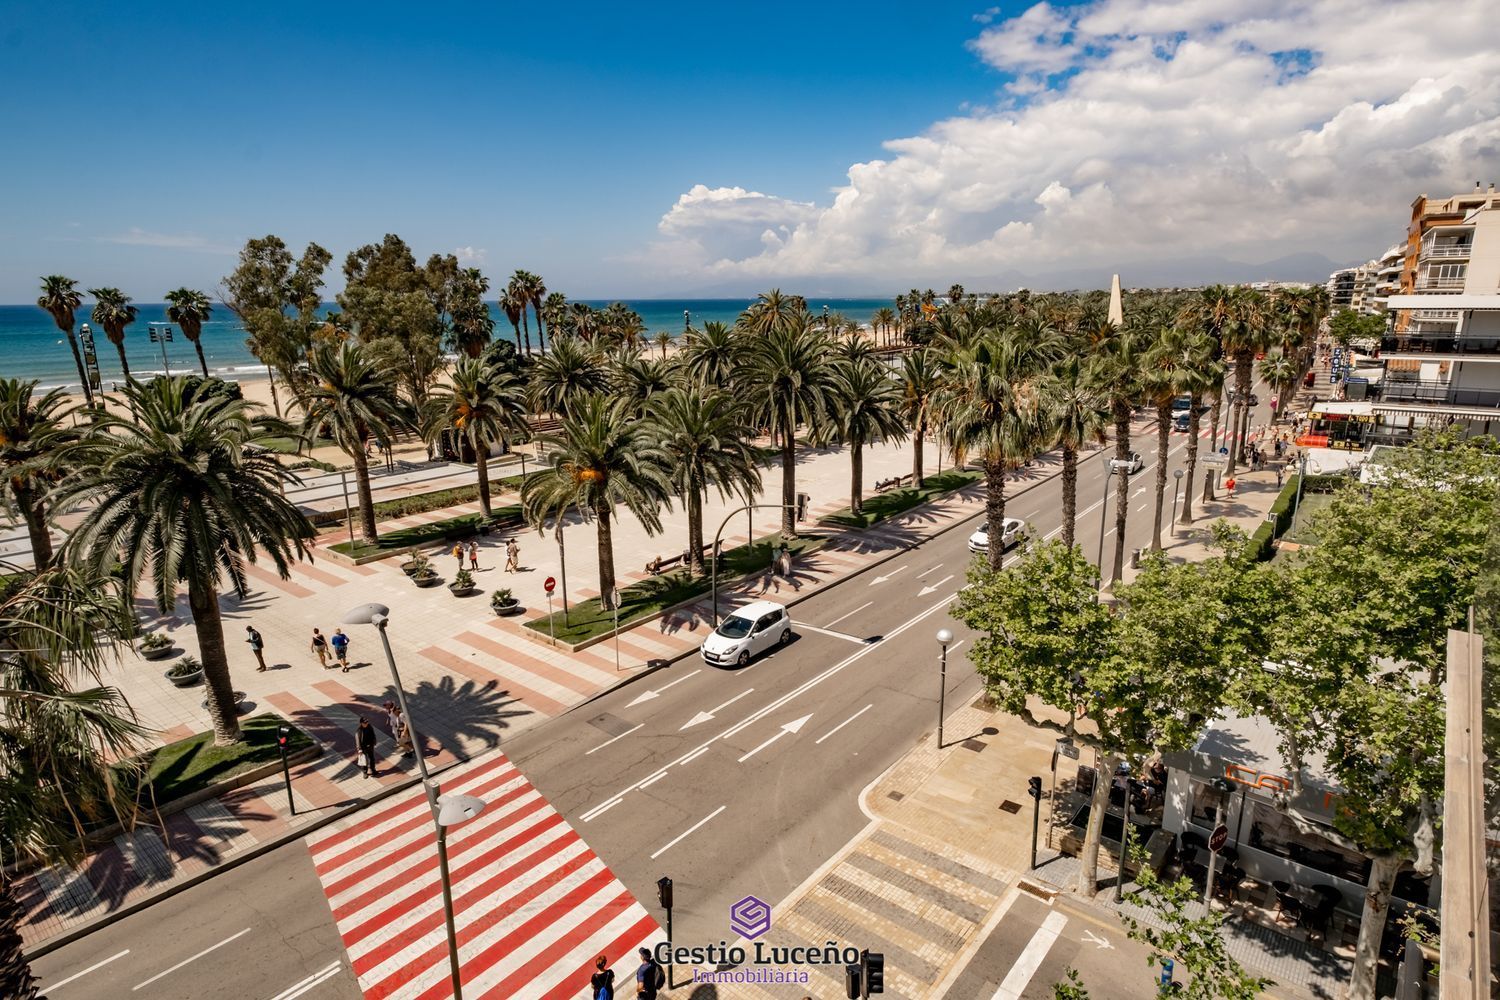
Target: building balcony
[[1444, 251], [1440, 284], [1434, 393], [1440, 315], [1414, 343]]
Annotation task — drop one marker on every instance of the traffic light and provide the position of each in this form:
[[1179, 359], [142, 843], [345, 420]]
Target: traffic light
[[1034, 788], [873, 979], [664, 892], [282, 732]]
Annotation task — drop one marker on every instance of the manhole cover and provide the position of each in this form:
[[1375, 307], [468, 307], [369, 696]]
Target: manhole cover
[[975, 745], [612, 725], [1010, 807], [898, 796]]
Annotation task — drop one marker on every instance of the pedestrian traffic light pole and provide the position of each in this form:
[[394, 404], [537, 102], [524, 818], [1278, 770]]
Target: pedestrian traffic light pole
[[1034, 789], [718, 536], [664, 895], [283, 733]]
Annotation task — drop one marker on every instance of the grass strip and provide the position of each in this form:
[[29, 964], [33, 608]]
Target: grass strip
[[187, 766], [418, 535], [885, 505], [588, 619]]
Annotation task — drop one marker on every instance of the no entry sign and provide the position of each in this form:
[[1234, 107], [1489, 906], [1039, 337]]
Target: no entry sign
[[549, 585]]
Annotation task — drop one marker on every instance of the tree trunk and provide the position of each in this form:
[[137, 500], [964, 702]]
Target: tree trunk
[[1383, 869], [606, 557], [204, 603], [1192, 462], [1245, 418], [1122, 486], [526, 326], [789, 485], [517, 327], [1163, 433], [16, 979], [482, 464], [1241, 409], [1213, 419], [202, 362], [1069, 493], [916, 457], [124, 365], [34, 513], [1088, 869], [275, 400], [366, 499], [856, 476], [83, 375], [695, 528], [994, 509], [541, 331]]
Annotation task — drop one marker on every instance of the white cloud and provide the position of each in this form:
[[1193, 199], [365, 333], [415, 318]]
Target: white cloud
[[1145, 127], [472, 256], [138, 237]]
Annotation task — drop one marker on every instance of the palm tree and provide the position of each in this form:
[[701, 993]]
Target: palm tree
[[599, 460], [113, 312], [186, 492], [355, 400], [772, 311], [61, 298], [991, 404], [189, 309], [1280, 369], [536, 291], [1243, 337], [1075, 415], [519, 291], [920, 379], [1169, 368], [33, 438], [882, 321], [866, 410], [514, 306], [471, 322], [663, 340], [712, 355], [701, 433], [554, 311], [63, 747], [482, 404], [569, 371], [789, 381], [1199, 372], [1119, 353], [634, 379]]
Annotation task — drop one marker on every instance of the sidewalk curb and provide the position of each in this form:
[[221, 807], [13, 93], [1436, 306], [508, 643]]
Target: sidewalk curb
[[73, 934]]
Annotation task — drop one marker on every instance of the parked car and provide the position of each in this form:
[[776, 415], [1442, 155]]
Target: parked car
[[746, 633], [1129, 466], [1182, 421], [1254, 399], [980, 540], [1181, 404]]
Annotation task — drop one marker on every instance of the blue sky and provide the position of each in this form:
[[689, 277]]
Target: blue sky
[[662, 149]]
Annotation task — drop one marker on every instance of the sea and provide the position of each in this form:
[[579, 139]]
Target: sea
[[32, 347]]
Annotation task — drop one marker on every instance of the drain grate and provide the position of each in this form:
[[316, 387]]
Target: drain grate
[[1010, 807], [975, 745], [612, 725]]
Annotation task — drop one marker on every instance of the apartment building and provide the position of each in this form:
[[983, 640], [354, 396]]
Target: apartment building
[[1340, 288], [1430, 215]]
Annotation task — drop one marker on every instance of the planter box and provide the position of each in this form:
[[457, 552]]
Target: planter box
[[427, 581], [463, 591], [512, 608], [184, 680], [409, 568], [160, 653]]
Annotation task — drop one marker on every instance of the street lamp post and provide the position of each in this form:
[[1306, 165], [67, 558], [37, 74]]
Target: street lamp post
[[1109, 471], [943, 637], [447, 810], [1176, 492], [719, 534]]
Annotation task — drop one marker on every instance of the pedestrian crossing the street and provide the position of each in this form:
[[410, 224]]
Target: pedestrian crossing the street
[[534, 906]]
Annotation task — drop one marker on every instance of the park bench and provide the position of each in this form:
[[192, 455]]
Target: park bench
[[659, 564], [890, 484]]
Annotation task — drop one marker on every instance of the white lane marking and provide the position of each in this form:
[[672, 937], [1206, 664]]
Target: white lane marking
[[186, 961], [828, 631], [886, 576], [848, 613], [931, 587], [80, 975], [695, 754], [926, 571], [708, 716], [675, 840], [801, 689], [957, 644], [841, 725], [601, 810], [1139, 491], [795, 726], [609, 741], [654, 778], [648, 695], [303, 985], [1019, 976]]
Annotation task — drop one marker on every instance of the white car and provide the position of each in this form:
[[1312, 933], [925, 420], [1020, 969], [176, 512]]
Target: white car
[[747, 632], [980, 540], [1130, 466]]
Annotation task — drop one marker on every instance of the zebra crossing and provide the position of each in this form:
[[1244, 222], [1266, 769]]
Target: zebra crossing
[[534, 905]]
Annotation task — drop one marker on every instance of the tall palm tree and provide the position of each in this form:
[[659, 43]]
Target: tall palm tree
[[536, 291], [1212, 313], [63, 745], [712, 355], [1246, 335], [569, 371], [1280, 370], [1075, 414], [186, 492], [991, 404], [772, 311], [472, 325], [634, 379], [600, 460], [1199, 373], [34, 437], [519, 290], [481, 403], [881, 321], [866, 410], [555, 311], [514, 306], [1119, 353], [61, 298], [355, 400], [190, 309], [701, 434], [789, 381], [113, 312], [663, 339], [920, 378], [1169, 368]]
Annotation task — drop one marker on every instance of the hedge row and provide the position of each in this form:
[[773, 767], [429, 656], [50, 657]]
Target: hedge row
[[1263, 539]]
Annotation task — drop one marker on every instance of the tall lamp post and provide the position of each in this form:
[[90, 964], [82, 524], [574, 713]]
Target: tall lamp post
[[447, 810], [943, 637], [1109, 471], [719, 535], [1176, 492]]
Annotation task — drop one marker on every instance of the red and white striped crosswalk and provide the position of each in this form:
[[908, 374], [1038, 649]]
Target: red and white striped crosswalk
[[534, 906]]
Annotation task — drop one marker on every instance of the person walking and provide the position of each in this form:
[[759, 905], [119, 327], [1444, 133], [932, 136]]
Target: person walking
[[320, 646], [603, 980], [650, 977], [364, 744], [512, 556], [257, 646], [340, 643], [402, 732], [392, 720], [458, 553], [474, 555]]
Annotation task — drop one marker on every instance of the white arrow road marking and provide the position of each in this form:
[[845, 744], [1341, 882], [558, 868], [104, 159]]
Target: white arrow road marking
[[96, 965], [673, 842], [708, 716], [829, 631], [886, 576], [841, 725], [934, 586], [302, 986], [648, 695], [195, 958], [612, 739], [848, 613], [1019, 976], [787, 727], [1099, 942], [1138, 492]]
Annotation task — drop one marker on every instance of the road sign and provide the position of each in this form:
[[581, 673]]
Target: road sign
[[1068, 749], [1218, 838], [1224, 450], [1215, 461], [549, 584]]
